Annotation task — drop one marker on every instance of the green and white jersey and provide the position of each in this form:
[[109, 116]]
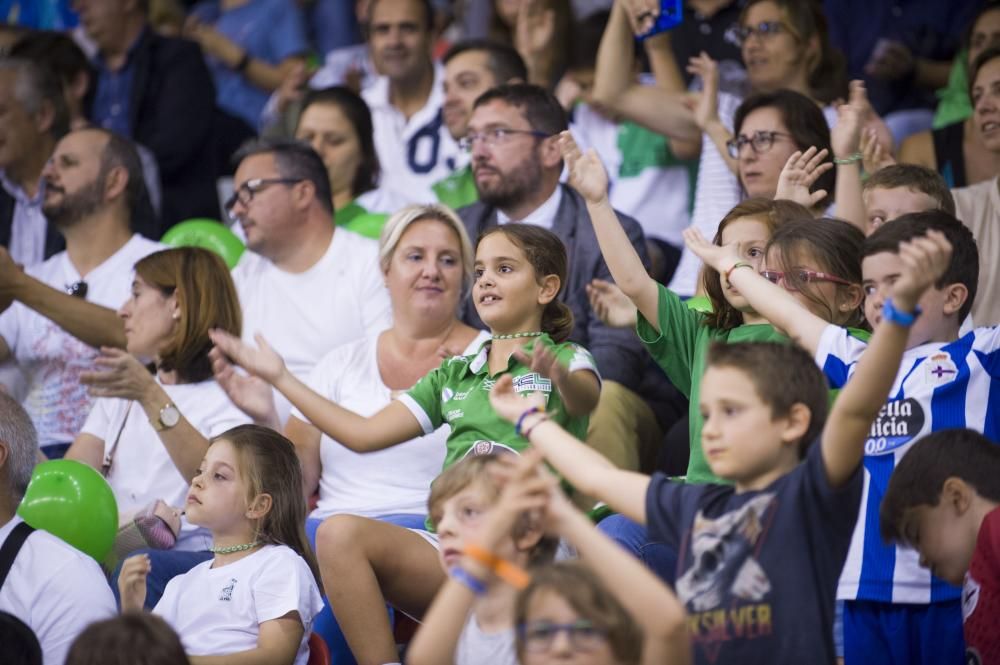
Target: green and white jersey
[[458, 189], [367, 214], [458, 393]]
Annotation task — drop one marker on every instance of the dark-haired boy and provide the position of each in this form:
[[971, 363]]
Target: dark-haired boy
[[759, 558], [894, 610], [943, 500], [904, 188]]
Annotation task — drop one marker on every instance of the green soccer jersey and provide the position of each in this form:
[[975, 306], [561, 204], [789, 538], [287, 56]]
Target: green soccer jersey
[[457, 190], [354, 217], [680, 349], [458, 393]]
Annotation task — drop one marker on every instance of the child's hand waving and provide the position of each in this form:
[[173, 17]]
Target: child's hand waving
[[543, 361], [508, 404], [719, 258], [799, 173], [132, 582], [611, 305], [925, 260], [586, 172]]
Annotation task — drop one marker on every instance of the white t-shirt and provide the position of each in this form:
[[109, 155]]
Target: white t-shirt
[[218, 611], [394, 480], [475, 646], [142, 470], [978, 206], [56, 589], [304, 315], [50, 357], [413, 153]]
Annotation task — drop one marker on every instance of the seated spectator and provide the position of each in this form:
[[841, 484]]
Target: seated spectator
[[148, 432], [53, 588], [35, 117], [158, 92], [63, 309], [957, 150], [250, 46], [133, 638], [336, 122], [978, 206], [540, 31], [904, 188]]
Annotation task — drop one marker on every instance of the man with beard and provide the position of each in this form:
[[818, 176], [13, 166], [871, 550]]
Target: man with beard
[[56, 314], [414, 147], [516, 163]]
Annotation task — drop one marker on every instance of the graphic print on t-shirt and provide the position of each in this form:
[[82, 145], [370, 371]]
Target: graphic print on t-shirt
[[725, 589]]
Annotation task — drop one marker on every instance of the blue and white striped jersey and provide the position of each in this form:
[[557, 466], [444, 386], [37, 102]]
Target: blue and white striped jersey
[[939, 386]]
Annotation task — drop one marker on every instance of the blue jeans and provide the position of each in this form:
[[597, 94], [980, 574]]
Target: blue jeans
[[633, 536], [326, 624], [165, 565]]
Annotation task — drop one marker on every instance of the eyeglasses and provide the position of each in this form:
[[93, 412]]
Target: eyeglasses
[[793, 279], [495, 137], [764, 30], [77, 289], [245, 192], [760, 142], [538, 635]]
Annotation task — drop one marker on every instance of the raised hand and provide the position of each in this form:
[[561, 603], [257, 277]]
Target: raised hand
[[132, 582], [611, 305], [543, 361], [799, 173], [925, 259], [846, 134], [706, 111], [292, 88], [873, 156], [262, 361], [523, 491], [252, 394], [534, 32], [508, 404], [720, 258], [119, 374], [642, 14], [586, 172]]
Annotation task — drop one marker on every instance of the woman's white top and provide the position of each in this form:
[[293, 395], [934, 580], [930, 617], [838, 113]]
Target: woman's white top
[[142, 470], [394, 480], [218, 611]]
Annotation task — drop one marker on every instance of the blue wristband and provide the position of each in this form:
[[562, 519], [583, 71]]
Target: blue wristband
[[899, 317], [463, 577], [520, 421]]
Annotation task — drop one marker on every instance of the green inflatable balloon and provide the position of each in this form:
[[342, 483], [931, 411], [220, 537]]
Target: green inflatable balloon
[[74, 502], [207, 234]]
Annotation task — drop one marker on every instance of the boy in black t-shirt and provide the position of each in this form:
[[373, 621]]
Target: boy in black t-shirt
[[758, 559]]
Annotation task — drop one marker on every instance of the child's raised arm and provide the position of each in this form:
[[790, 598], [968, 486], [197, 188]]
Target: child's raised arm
[[393, 424], [586, 469], [769, 300], [845, 138], [649, 601], [924, 260], [587, 176]]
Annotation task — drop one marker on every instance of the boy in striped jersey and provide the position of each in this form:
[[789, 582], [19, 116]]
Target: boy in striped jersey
[[895, 611]]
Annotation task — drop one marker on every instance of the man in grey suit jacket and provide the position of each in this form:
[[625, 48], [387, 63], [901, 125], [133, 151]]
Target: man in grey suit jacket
[[516, 165]]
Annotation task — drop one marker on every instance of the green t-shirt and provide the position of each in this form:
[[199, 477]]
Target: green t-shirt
[[457, 190], [458, 393], [680, 349], [354, 217], [954, 104]]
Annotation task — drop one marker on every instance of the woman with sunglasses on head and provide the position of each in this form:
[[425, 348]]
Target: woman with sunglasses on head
[[785, 46]]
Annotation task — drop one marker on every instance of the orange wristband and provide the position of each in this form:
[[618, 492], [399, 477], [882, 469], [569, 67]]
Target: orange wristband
[[505, 570]]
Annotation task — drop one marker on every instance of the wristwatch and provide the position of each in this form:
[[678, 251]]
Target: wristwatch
[[169, 416]]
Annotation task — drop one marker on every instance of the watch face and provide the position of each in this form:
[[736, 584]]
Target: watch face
[[170, 416]]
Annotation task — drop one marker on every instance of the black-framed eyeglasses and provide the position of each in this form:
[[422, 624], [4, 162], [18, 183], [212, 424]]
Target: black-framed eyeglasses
[[760, 142], [538, 636], [764, 30], [496, 136], [244, 193], [77, 289]]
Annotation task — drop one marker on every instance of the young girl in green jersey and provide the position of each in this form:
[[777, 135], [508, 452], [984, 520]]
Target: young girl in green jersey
[[519, 273]]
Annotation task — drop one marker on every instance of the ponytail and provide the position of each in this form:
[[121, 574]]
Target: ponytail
[[557, 321]]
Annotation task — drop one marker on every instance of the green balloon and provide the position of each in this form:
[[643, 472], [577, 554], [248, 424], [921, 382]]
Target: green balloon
[[74, 502], [207, 234]]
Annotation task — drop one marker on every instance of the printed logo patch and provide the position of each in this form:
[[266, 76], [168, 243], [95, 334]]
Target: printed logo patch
[[227, 591], [482, 447], [896, 424], [532, 383], [940, 369], [454, 414]]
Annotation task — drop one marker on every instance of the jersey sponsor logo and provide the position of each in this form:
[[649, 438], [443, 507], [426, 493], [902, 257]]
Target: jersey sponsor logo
[[454, 414], [896, 424], [940, 369], [483, 447], [532, 383], [970, 596], [227, 591]]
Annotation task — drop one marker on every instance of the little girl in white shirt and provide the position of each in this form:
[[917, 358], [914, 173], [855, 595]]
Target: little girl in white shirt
[[255, 601]]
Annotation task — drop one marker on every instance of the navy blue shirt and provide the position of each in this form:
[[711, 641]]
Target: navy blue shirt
[[112, 107], [757, 571]]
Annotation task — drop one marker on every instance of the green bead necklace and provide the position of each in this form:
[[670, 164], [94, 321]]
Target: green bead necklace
[[234, 548], [518, 335]]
